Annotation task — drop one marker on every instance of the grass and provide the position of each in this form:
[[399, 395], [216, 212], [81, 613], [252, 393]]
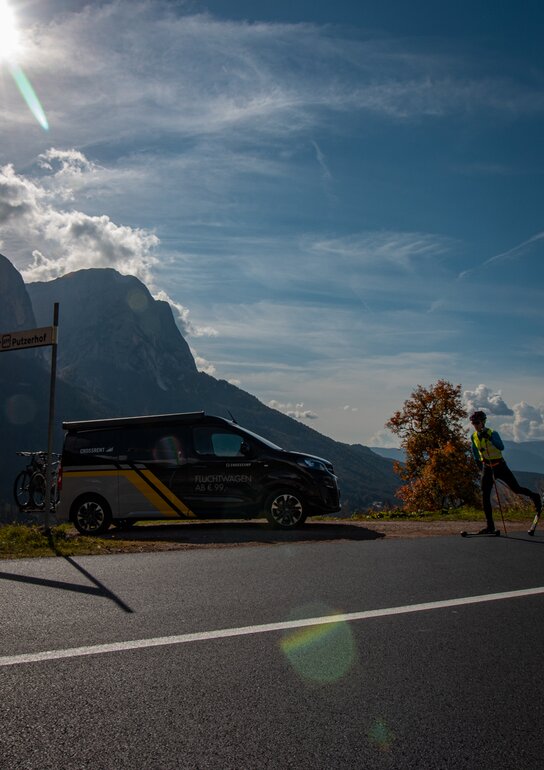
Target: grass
[[18, 541], [453, 514], [21, 541]]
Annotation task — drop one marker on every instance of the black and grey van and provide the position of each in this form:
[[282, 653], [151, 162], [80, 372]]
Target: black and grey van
[[190, 465]]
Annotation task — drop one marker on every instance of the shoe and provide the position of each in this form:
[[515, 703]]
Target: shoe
[[487, 531]]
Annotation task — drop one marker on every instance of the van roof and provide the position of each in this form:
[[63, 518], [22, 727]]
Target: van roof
[[149, 419]]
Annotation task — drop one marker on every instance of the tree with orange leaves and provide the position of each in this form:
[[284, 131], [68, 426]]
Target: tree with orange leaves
[[439, 470]]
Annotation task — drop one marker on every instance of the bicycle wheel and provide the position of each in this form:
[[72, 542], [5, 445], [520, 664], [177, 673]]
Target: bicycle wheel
[[21, 489], [37, 490]]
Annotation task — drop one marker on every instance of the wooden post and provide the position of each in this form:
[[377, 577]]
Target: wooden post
[[52, 388]]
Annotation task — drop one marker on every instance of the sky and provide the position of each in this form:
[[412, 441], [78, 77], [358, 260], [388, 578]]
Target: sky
[[341, 201]]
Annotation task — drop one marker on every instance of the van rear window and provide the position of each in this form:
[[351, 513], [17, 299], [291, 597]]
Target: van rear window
[[155, 444], [92, 444]]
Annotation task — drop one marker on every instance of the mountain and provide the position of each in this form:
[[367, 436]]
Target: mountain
[[15, 305], [116, 341], [527, 456], [23, 379], [24, 387], [391, 452], [120, 353]]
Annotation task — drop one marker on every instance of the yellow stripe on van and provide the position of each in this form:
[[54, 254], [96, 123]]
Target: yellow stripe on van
[[154, 498], [143, 486]]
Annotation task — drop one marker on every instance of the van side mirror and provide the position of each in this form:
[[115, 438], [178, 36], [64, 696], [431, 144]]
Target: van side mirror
[[245, 449]]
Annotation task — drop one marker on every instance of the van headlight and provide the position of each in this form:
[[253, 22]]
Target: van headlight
[[315, 465]]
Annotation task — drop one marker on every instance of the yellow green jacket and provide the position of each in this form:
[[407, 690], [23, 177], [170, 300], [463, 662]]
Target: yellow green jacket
[[487, 446]]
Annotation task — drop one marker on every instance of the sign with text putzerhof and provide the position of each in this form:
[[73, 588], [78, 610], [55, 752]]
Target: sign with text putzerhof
[[29, 338]]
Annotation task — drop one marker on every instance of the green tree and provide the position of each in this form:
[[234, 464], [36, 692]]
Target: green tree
[[439, 470]]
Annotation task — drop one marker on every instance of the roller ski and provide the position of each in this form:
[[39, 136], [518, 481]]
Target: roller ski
[[531, 531], [486, 532]]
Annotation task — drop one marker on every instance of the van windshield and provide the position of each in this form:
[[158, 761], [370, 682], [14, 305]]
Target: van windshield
[[265, 441]]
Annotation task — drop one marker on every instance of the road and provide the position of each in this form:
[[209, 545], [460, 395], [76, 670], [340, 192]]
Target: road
[[450, 685]]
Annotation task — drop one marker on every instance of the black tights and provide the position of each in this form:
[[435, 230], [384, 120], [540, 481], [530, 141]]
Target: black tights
[[501, 472]]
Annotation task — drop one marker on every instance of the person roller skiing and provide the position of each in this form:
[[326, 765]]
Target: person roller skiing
[[487, 449]]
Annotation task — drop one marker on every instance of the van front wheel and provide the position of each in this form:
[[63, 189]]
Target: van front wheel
[[285, 510], [91, 515]]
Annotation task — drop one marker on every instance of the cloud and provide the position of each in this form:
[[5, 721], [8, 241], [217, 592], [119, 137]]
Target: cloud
[[68, 240], [73, 239], [187, 326], [202, 365], [19, 198], [320, 157], [297, 411], [384, 439], [398, 249], [66, 164], [516, 250], [169, 71], [527, 423], [511, 254], [484, 398]]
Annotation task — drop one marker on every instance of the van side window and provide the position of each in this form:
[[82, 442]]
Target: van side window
[[91, 444], [154, 445], [216, 442]]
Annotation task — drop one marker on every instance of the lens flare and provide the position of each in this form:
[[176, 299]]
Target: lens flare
[[28, 94], [20, 409], [9, 34], [9, 47], [322, 654], [380, 735], [168, 449], [137, 300]]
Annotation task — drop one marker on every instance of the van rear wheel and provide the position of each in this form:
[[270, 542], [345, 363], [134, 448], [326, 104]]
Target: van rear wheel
[[91, 515], [285, 510]]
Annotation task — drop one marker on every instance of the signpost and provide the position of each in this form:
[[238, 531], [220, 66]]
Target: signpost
[[31, 338], [34, 338]]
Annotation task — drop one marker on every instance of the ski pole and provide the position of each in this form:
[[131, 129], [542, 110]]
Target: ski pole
[[499, 502]]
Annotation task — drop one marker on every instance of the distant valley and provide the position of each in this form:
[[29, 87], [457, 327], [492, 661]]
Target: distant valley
[[525, 456]]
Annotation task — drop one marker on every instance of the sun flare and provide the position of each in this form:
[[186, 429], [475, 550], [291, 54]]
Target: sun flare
[[9, 34]]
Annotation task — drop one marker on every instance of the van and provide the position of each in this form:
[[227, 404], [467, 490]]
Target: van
[[190, 465]]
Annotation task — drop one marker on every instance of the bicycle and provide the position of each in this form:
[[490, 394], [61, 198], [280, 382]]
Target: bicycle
[[30, 484]]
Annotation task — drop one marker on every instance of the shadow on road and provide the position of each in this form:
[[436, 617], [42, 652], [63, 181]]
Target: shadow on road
[[523, 539], [96, 589], [247, 532]]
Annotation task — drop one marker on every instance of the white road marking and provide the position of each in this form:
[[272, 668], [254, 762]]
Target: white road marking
[[226, 633]]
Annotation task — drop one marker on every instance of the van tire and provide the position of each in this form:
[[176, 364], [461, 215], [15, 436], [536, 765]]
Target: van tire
[[285, 510], [91, 515]]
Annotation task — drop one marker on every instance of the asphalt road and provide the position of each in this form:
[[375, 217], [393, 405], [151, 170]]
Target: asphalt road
[[450, 686]]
